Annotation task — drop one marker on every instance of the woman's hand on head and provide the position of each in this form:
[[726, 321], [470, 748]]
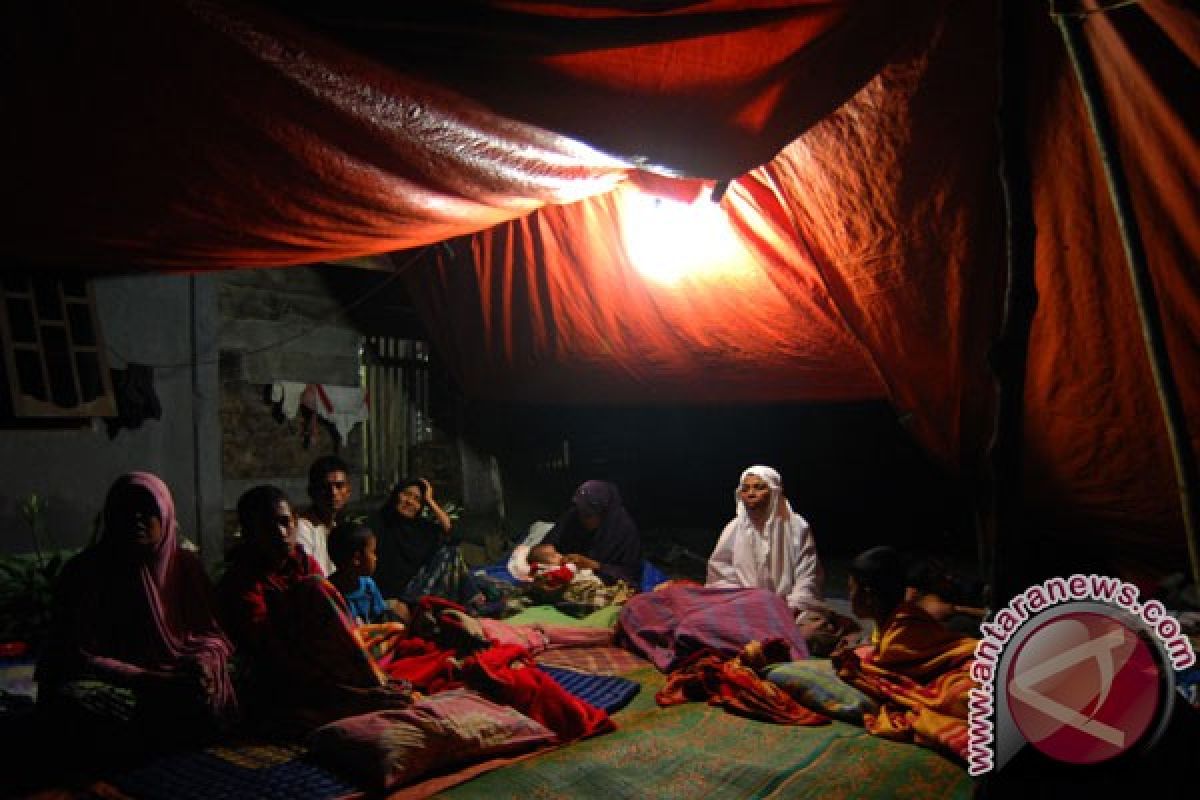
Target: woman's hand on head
[[426, 490]]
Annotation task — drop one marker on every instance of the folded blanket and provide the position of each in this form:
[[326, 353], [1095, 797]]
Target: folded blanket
[[597, 660]]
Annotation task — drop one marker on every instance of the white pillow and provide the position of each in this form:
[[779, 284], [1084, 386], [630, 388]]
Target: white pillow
[[518, 562]]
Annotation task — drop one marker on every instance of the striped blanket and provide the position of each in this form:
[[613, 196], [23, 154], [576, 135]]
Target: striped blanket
[[668, 625]]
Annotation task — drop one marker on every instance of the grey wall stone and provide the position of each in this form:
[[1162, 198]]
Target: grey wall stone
[[163, 321]]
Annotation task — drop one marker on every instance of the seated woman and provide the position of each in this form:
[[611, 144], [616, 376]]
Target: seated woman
[[917, 668], [303, 663], [596, 533], [133, 610], [417, 556], [767, 545]]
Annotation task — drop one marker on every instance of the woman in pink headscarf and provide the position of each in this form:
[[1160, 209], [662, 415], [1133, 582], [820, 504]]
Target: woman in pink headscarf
[[767, 545], [134, 610]]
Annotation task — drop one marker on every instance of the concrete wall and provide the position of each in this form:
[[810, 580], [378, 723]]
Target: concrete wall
[[215, 342], [169, 322], [280, 325]]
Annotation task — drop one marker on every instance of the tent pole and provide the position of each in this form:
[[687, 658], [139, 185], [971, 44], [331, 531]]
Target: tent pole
[[1139, 275], [1004, 550]]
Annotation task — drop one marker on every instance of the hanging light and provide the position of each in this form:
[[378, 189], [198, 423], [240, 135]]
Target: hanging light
[[669, 241]]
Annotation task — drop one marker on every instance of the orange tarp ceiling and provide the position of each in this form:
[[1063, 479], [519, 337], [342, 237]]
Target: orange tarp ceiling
[[201, 134], [198, 135]]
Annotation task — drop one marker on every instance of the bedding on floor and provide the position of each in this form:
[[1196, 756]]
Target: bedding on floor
[[697, 750], [689, 750]]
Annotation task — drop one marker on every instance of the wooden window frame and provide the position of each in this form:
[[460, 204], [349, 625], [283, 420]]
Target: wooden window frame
[[23, 405]]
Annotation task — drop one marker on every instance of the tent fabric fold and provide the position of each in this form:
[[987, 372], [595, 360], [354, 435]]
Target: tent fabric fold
[[210, 134], [1097, 463], [867, 226]]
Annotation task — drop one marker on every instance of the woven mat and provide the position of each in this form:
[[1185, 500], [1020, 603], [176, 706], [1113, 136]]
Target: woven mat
[[259, 771]]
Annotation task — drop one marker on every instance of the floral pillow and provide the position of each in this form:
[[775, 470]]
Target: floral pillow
[[384, 749], [814, 684]]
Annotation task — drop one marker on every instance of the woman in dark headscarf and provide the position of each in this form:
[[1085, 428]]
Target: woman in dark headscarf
[[597, 533], [134, 610], [417, 556]]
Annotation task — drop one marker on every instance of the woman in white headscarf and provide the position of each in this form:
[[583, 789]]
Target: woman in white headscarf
[[767, 545]]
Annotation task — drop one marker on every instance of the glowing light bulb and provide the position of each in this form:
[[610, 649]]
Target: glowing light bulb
[[669, 241]]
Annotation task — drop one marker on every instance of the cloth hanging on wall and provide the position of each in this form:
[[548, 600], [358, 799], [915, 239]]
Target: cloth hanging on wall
[[137, 401], [342, 406]]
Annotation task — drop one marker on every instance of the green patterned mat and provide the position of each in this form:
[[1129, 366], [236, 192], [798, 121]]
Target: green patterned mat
[[697, 751]]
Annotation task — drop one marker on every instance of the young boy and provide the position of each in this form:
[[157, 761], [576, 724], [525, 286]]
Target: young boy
[[352, 551]]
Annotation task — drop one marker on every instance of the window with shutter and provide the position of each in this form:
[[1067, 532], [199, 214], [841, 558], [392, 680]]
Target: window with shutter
[[54, 360]]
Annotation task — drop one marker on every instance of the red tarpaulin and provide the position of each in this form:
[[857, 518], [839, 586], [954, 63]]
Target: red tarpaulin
[[889, 203], [1097, 464], [202, 135], [199, 135]]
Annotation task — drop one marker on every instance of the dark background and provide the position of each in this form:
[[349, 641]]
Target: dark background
[[850, 469]]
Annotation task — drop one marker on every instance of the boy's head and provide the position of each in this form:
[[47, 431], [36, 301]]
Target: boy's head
[[352, 548]]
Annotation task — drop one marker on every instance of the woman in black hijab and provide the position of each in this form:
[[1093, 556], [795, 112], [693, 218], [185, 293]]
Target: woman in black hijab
[[416, 555], [597, 533]]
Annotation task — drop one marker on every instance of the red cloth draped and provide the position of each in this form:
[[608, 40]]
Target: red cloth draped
[[893, 199], [741, 78], [507, 674], [846, 284], [428, 667], [551, 306], [202, 135]]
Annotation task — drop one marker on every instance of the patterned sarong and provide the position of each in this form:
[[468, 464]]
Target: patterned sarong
[[920, 672], [736, 685], [446, 575]]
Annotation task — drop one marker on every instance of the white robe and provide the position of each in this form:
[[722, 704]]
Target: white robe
[[314, 538], [781, 557]]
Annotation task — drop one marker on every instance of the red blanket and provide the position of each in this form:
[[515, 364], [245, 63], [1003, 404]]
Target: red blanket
[[507, 674]]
